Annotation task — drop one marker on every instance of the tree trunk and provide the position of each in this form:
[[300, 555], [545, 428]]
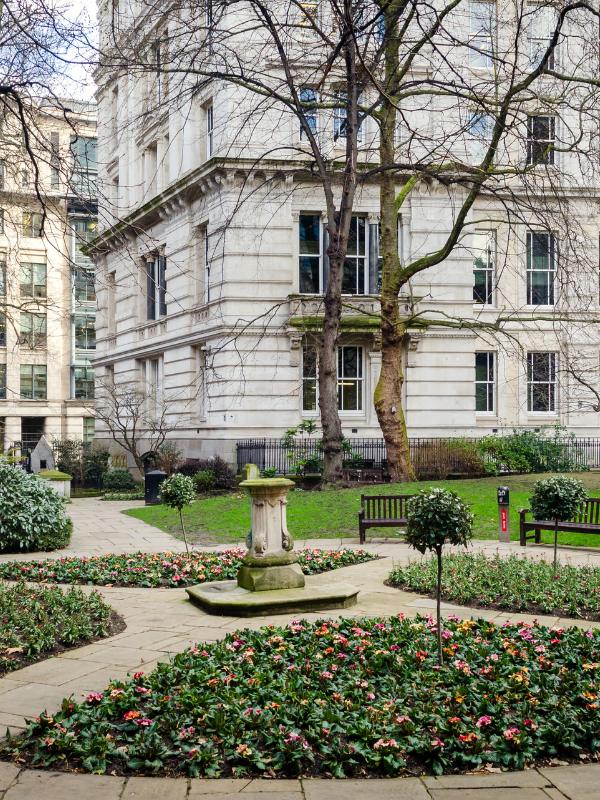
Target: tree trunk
[[388, 393], [328, 388], [439, 606], [187, 549]]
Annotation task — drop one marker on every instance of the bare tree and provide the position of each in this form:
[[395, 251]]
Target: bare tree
[[137, 421]]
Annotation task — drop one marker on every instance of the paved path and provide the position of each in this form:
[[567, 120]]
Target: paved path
[[161, 622]]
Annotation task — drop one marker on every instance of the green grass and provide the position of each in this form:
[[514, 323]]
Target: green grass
[[333, 514]]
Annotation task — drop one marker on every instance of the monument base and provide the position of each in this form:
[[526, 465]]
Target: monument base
[[273, 572], [226, 598]]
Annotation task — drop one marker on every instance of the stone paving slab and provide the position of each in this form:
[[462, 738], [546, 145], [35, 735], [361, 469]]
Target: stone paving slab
[[153, 789], [489, 793], [576, 783], [40, 785], [206, 787], [529, 777], [382, 789]]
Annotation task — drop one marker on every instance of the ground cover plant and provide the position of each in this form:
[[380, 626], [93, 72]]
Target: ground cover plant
[[32, 515], [339, 698], [334, 513], [513, 583], [164, 569], [39, 621]]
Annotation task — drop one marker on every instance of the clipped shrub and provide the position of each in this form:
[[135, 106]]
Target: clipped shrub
[[204, 480], [437, 517], [54, 475], [224, 475], [559, 499], [436, 460], [118, 480], [32, 515], [178, 491]]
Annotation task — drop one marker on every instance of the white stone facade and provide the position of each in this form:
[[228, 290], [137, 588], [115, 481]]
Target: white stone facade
[[47, 324], [226, 348]]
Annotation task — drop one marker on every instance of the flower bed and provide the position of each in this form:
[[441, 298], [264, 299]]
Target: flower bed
[[513, 583], [41, 621], [346, 698], [164, 569]]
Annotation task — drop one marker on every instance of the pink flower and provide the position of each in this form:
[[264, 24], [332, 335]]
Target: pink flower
[[437, 742], [385, 743], [144, 722], [94, 697], [402, 719], [484, 721], [589, 634], [510, 733]]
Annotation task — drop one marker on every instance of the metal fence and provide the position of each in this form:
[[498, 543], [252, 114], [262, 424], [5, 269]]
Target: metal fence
[[430, 456]]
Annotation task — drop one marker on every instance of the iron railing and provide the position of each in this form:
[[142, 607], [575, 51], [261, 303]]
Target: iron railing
[[429, 455]]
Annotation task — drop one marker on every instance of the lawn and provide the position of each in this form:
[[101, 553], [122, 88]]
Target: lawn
[[332, 514]]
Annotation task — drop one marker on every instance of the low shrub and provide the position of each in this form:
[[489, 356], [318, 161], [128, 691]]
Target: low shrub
[[204, 480], [53, 475], [338, 698], [38, 621], [164, 569], [224, 475], [513, 583], [32, 515], [118, 480], [529, 451], [135, 494], [437, 460], [189, 466]]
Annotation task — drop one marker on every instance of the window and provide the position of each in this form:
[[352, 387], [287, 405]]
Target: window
[[484, 256], [310, 253], [85, 331], [310, 391], [83, 230], [203, 276], [89, 429], [32, 224], [2, 330], [33, 281], [24, 179], [485, 382], [199, 387], [150, 160], [34, 381], [2, 174], [354, 278], [85, 164], [540, 24], [151, 376], [540, 139], [340, 118], [482, 27], [541, 268], [2, 381], [156, 287], [308, 13], [210, 128], [33, 330], [480, 128], [111, 305], [2, 278], [54, 159], [541, 382], [350, 378], [308, 97], [1, 221], [84, 286], [83, 383], [349, 374]]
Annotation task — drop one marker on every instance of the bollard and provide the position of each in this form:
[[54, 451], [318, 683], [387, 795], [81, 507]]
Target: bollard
[[503, 514]]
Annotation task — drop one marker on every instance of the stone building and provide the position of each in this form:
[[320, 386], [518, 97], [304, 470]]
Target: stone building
[[212, 263], [47, 324]]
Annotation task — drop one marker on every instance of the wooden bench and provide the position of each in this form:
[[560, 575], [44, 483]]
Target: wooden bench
[[587, 520], [382, 511]]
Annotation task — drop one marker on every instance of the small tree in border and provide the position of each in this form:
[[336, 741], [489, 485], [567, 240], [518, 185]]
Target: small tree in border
[[178, 491], [437, 517], [559, 499]]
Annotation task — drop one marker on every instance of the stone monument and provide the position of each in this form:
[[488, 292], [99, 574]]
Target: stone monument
[[270, 579]]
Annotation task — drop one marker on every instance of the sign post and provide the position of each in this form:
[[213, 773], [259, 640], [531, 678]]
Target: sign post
[[503, 514]]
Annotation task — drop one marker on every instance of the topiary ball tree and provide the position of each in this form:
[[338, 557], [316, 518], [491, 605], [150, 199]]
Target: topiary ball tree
[[178, 491], [559, 499], [32, 514], [437, 517]]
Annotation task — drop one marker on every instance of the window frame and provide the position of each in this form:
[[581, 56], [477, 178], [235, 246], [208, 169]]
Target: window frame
[[478, 53], [358, 258], [489, 271], [3, 380], [27, 288], [310, 114], [536, 143], [210, 130], [319, 257], [534, 40], [550, 272], [32, 224], [86, 381], [84, 331], [490, 384], [551, 383], [360, 380], [35, 395], [36, 337]]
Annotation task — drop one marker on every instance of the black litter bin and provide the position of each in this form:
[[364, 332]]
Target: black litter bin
[[152, 482]]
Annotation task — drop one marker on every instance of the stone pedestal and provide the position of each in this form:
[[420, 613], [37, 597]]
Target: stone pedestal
[[270, 562]]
